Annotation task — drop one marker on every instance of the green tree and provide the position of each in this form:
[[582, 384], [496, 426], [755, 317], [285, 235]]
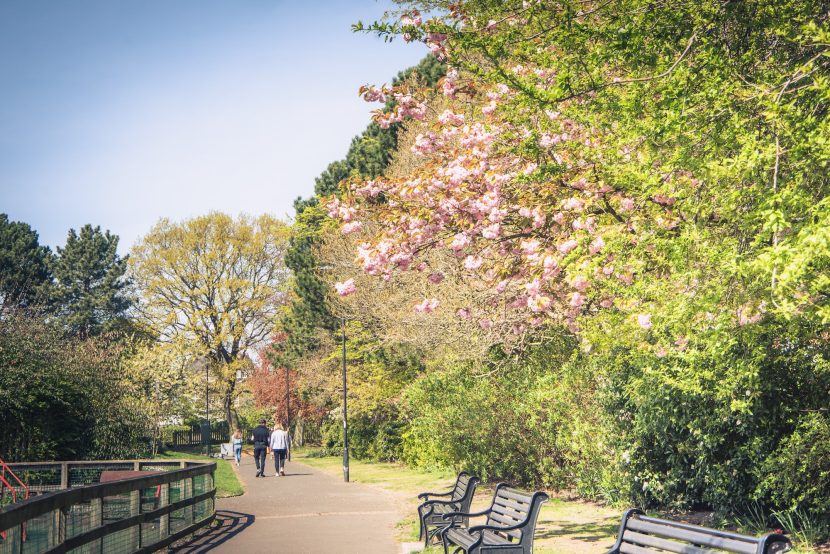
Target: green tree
[[211, 287], [90, 289], [24, 265]]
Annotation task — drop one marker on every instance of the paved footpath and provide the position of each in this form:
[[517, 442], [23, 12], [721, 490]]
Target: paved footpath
[[306, 511]]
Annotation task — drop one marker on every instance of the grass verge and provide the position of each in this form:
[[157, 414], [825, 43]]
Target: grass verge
[[565, 526], [227, 482]]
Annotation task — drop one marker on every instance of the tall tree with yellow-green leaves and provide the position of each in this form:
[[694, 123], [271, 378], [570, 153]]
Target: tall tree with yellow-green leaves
[[210, 287]]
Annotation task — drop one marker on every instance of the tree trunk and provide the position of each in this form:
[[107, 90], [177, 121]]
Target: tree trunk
[[227, 405]]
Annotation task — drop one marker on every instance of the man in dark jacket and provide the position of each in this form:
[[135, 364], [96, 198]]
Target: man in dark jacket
[[260, 436]]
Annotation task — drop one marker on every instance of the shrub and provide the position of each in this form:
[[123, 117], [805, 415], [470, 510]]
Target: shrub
[[796, 476]]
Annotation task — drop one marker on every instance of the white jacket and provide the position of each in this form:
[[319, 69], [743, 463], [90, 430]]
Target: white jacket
[[280, 440]]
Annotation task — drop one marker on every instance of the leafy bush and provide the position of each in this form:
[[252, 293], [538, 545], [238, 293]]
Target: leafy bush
[[60, 398], [796, 476]]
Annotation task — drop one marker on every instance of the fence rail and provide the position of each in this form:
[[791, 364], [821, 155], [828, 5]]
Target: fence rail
[[303, 433], [130, 514], [193, 437]]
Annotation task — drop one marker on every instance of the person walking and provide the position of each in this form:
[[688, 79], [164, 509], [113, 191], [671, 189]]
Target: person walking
[[237, 445], [260, 437], [281, 448]]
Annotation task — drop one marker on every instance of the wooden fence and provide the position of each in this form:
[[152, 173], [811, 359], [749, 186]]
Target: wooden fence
[[135, 514]]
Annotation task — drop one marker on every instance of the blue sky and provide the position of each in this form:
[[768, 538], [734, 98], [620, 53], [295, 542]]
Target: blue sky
[[117, 113]]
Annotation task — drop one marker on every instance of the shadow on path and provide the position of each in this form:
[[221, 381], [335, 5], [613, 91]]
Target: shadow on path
[[227, 525]]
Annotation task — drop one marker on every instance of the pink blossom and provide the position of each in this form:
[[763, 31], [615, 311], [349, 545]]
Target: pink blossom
[[626, 204], [661, 352], [373, 94], [607, 302], [448, 117], [573, 203], [463, 313], [534, 287], [425, 144], [448, 87], [502, 285], [539, 303], [644, 320], [489, 108], [412, 19], [681, 343], [596, 245], [664, 200], [427, 306], [491, 231], [352, 227], [530, 247], [460, 241], [486, 323], [577, 299], [435, 278], [567, 246], [473, 262], [346, 288], [580, 283]]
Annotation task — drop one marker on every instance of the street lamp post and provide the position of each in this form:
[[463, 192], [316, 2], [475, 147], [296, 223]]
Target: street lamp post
[[287, 402], [207, 407], [345, 414]]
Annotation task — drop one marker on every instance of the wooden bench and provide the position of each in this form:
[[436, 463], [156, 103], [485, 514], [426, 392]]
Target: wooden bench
[[511, 522], [640, 534], [431, 511]]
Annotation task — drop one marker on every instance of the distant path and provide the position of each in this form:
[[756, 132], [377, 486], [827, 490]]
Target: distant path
[[306, 511]]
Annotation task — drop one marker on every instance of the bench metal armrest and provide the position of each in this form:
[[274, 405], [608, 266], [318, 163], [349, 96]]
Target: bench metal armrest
[[442, 502], [479, 528], [467, 514], [426, 495], [430, 505]]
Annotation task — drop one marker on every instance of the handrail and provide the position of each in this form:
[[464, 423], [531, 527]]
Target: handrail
[[8, 486], [60, 504], [14, 499], [6, 467]]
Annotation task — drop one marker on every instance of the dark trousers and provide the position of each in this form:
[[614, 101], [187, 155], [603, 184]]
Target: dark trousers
[[279, 459], [259, 457]]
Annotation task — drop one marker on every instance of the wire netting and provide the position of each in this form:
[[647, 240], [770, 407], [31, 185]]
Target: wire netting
[[47, 531]]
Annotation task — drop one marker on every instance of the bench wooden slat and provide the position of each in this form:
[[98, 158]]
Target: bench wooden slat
[[640, 534], [514, 494], [699, 537], [626, 548], [633, 537], [461, 537], [503, 519], [512, 512], [494, 538], [520, 507]]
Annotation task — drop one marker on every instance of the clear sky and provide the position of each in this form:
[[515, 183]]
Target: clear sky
[[119, 112]]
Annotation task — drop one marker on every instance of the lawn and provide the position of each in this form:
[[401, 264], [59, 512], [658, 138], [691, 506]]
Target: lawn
[[565, 526], [227, 482]]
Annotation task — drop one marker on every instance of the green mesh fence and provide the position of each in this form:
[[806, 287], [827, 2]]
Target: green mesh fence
[[126, 514]]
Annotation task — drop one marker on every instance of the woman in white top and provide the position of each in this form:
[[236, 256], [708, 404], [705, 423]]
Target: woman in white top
[[280, 446]]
